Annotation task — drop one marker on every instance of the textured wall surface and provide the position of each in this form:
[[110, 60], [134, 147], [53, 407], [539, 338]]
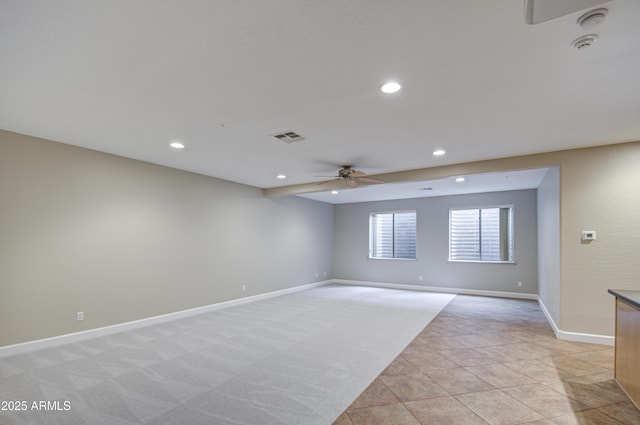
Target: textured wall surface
[[599, 191]]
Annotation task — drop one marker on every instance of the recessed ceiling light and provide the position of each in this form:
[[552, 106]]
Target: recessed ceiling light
[[281, 176], [177, 145], [439, 152], [334, 192], [460, 179], [390, 87]]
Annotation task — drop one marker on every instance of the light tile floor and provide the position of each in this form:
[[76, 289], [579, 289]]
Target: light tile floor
[[494, 361]]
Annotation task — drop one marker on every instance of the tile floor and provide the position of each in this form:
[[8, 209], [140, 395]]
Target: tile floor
[[494, 361]]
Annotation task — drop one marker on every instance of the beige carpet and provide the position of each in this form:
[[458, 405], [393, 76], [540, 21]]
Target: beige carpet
[[300, 358]]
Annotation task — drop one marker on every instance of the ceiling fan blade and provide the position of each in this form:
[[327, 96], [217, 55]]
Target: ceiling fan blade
[[370, 180], [352, 183], [356, 173], [329, 181]]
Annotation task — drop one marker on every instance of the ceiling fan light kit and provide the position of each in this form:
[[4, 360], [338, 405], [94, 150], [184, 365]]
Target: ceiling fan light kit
[[352, 177]]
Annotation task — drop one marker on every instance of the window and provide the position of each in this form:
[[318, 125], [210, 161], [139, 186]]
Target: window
[[481, 234], [392, 235]]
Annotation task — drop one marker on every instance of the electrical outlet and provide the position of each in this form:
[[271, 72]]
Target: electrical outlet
[[519, 284], [244, 288], [420, 278], [317, 274], [325, 274], [80, 315]]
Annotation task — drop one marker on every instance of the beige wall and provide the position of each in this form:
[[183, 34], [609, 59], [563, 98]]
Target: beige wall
[[123, 240], [600, 190]]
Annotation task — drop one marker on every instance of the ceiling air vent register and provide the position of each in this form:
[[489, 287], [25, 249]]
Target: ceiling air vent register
[[289, 137]]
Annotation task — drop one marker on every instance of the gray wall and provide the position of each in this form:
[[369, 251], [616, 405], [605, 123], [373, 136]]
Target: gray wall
[[352, 245], [549, 243], [123, 240]]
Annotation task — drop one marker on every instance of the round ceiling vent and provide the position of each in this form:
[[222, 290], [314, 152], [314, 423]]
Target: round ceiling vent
[[584, 41], [592, 18]]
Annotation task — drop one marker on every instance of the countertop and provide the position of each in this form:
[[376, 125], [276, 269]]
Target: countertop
[[631, 297]]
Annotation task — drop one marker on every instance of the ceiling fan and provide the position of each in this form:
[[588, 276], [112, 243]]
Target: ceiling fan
[[352, 177]]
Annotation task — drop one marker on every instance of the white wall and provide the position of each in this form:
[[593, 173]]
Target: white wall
[[352, 245], [549, 243], [123, 240]]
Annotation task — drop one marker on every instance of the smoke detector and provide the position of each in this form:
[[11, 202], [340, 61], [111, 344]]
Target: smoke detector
[[592, 18], [537, 11], [584, 41]]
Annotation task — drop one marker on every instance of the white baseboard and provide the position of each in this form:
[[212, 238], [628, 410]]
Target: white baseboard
[[552, 322], [10, 350], [560, 334], [589, 338], [121, 327], [575, 336], [459, 291]]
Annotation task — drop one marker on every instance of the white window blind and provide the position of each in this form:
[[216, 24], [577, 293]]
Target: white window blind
[[392, 235], [481, 234]]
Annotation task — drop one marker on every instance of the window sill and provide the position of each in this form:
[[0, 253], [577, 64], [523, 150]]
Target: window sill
[[483, 262], [392, 259]]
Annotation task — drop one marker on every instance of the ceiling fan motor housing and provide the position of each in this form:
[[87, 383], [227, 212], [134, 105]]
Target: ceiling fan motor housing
[[346, 171]]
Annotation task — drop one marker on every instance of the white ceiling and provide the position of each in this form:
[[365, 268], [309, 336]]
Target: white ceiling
[[128, 77]]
